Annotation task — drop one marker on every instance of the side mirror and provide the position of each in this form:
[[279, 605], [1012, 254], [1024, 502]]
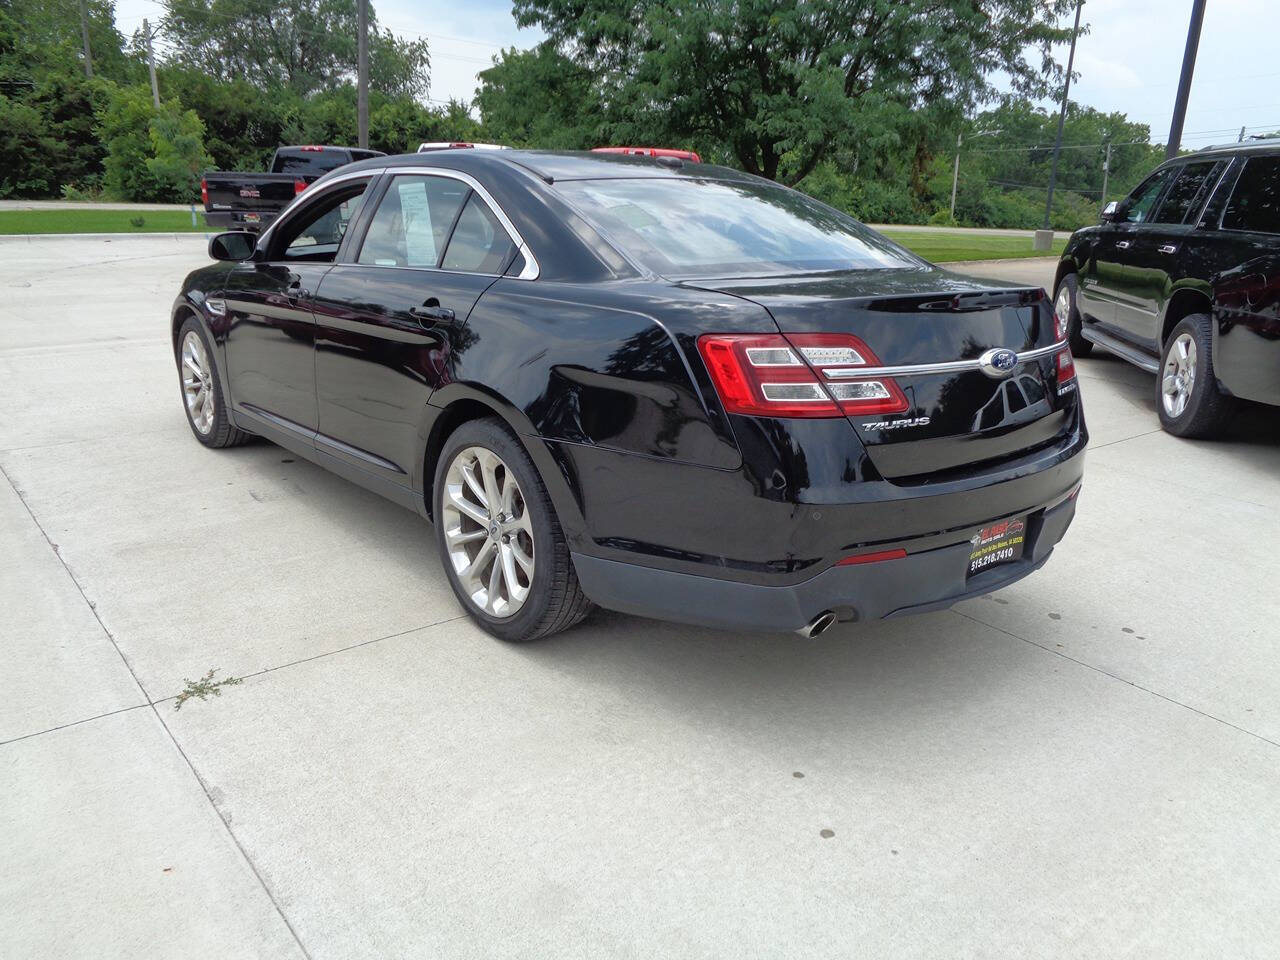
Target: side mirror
[[1110, 212], [236, 245]]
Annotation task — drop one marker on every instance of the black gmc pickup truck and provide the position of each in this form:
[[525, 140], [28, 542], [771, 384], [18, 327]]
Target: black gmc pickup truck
[[250, 201]]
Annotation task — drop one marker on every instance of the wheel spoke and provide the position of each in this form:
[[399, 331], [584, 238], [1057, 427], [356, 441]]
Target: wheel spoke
[[190, 363], [495, 580], [509, 492], [1170, 384], [514, 589], [466, 507], [489, 472], [525, 561], [471, 574], [469, 475], [457, 536]]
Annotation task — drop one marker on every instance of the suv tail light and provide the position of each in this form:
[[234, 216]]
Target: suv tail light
[[299, 186], [1065, 362], [204, 191], [777, 375]]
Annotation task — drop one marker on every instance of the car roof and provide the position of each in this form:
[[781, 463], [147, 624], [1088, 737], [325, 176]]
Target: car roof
[[1263, 145], [555, 165]]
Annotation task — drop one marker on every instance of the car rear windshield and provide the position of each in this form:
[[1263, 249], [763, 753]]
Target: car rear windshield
[[692, 227], [315, 162]]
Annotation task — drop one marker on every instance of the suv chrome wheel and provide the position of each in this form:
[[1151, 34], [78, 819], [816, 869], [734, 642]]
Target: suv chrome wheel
[[488, 533], [1179, 375], [197, 383], [1063, 304]]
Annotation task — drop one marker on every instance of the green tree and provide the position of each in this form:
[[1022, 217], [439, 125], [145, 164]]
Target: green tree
[[177, 153], [300, 45], [152, 155], [540, 98], [781, 83]]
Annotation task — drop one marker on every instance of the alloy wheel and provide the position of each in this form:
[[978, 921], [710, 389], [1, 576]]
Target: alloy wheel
[[1179, 376], [1062, 306], [488, 532], [197, 383]]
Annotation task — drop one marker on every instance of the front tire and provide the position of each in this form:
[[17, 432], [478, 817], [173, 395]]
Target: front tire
[[1064, 305], [500, 540], [1188, 399], [202, 389]]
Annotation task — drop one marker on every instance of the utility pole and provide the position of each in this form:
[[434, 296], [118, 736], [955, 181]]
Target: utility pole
[[1062, 116], [84, 34], [955, 175], [1240, 139], [151, 64], [362, 75], [1106, 172], [1184, 82]]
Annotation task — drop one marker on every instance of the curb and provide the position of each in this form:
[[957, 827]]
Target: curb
[[103, 237]]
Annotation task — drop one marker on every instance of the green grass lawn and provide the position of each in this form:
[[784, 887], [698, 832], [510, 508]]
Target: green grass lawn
[[938, 247], [100, 221], [941, 247]]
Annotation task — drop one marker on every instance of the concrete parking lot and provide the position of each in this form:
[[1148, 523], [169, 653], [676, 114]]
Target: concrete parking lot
[[1086, 764]]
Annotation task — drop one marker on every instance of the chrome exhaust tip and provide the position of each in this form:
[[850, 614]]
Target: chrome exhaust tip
[[817, 625]]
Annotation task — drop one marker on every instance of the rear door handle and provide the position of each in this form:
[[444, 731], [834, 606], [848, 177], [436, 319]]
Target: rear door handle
[[1169, 248], [1122, 244], [433, 312]]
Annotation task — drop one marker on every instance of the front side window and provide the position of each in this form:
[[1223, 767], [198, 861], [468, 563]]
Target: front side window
[[412, 222], [1255, 202], [1137, 209], [314, 233], [1187, 194], [690, 227]]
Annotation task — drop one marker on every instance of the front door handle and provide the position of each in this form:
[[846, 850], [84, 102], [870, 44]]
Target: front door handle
[[294, 291], [1169, 248], [1122, 244], [432, 312]]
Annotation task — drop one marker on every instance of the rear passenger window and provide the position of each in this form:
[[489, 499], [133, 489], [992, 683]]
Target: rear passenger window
[[1187, 194], [412, 222], [479, 243], [1255, 202]]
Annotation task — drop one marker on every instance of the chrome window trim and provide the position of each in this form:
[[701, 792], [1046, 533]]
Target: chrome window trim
[[531, 269], [264, 238], [929, 369]]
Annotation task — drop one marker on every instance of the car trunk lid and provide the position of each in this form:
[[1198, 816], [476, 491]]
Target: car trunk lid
[[939, 325]]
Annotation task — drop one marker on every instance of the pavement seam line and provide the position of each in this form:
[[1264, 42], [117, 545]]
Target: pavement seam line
[[330, 653], [74, 723], [262, 882], [174, 740], [1125, 439], [1113, 676], [83, 596]]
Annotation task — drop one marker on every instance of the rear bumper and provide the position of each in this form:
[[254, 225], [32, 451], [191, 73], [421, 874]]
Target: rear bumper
[[922, 581]]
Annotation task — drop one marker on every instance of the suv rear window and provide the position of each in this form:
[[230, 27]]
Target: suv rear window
[[1255, 202], [692, 227], [309, 161]]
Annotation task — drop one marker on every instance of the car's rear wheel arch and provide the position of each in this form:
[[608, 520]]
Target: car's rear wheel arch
[[1181, 305], [1065, 266], [464, 404]]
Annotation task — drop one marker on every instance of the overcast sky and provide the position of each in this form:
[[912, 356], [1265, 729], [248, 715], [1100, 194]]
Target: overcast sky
[[1129, 61]]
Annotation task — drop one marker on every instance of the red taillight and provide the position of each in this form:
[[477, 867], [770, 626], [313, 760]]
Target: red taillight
[[772, 375], [1065, 362], [204, 192], [299, 186], [872, 557]]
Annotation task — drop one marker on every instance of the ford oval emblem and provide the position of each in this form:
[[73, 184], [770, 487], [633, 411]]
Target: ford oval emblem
[[998, 362]]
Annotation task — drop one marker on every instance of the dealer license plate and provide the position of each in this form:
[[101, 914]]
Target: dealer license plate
[[996, 544]]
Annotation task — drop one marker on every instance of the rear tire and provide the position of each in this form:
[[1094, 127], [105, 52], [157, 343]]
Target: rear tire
[[500, 541], [1188, 399], [1064, 301], [202, 389]]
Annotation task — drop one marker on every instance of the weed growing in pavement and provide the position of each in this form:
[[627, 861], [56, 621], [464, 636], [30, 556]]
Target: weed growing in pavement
[[203, 688]]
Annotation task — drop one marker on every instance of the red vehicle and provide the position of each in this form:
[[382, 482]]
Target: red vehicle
[[687, 155]]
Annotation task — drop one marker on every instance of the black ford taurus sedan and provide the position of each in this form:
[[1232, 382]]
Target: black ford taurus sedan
[[668, 389]]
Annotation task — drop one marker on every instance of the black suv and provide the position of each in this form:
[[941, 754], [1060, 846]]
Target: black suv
[[1182, 278]]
